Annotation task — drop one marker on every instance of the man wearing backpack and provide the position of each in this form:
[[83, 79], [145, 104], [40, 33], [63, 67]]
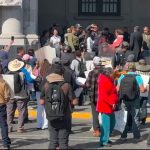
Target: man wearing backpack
[[57, 97], [129, 87], [78, 64]]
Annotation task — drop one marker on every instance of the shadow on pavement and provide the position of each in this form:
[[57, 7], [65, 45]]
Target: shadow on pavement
[[90, 145], [27, 142]]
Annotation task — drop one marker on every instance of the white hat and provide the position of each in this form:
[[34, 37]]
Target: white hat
[[96, 60], [15, 65]]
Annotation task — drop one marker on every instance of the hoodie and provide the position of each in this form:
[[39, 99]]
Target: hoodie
[[54, 78]]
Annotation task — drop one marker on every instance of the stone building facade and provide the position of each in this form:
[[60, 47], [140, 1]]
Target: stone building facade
[[26, 22]]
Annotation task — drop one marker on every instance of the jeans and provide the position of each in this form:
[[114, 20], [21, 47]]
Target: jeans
[[4, 126], [96, 125], [133, 109], [21, 105], [42, 121], [107, 126], [59, 134]]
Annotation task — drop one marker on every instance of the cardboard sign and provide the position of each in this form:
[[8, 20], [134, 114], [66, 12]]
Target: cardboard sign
[[45, 52]]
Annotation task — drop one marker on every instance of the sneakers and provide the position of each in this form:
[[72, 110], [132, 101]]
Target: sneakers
[[137, 140], [106, 145], [21, 130]]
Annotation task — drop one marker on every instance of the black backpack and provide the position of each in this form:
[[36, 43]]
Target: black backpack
[[56, 101], [81, 68], [18, 85], [129, 89]]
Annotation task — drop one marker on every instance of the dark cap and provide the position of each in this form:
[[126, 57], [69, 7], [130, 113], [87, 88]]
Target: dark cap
[[56, 60]]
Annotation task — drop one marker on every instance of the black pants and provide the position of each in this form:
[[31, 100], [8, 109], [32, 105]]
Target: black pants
[[4, 126], [143, 108], [96, 125], [59, 134], [133, 109]]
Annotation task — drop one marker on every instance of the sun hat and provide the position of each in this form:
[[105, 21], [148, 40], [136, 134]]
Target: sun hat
[[142, 66], [15, 65]]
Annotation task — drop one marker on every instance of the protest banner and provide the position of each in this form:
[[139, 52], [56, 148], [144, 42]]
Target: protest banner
[[45, 52], [10, 81], [145, 82]]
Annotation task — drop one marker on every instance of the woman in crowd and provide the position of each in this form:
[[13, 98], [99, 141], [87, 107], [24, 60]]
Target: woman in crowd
[[41, 71], [118, 41], [107, 100], [55, 42], [73, 40]]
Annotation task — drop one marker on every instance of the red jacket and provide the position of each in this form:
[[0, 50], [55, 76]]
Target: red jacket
[[117, 42], [107, 94]]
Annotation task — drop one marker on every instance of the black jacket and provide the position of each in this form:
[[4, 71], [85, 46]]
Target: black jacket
[[136, 40]]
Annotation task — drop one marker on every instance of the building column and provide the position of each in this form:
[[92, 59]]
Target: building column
[[12, 25], [32, 28]]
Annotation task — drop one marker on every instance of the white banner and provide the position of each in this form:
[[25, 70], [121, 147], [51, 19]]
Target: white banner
[[46, 52], [10, 2], [10, 81]]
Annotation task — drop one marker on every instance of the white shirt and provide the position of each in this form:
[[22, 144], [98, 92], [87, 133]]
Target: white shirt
[[90, 43], [55, 40]]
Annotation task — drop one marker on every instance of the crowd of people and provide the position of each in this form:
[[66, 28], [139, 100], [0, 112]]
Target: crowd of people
[[113, 66]]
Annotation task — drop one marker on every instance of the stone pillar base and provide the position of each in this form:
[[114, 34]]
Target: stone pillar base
[[18, 39], [33, 41]]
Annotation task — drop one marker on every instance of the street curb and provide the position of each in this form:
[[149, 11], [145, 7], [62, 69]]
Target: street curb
[[76, 115]]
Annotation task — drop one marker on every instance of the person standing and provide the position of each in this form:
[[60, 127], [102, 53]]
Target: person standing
[[143, 69], [4, 98], [55, 42], [20, 53], [136, 40], [4, 55], [118, 41], [21, 97], [146, 42], [107, 101], [56, 96], [91, 83], [129, 88], [73, 40], [41, 71]]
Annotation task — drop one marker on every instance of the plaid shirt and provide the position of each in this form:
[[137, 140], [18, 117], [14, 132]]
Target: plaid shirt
[[91, 82]]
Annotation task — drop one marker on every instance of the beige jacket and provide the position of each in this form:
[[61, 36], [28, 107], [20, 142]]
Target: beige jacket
[[4, 92]]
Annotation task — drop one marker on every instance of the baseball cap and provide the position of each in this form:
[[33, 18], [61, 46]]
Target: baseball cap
[[96, 60]]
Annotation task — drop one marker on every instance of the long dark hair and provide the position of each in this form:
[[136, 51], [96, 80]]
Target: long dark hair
[[45, 68]]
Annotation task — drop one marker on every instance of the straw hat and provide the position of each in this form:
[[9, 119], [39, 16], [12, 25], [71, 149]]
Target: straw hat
[[142, 66], [15, 65]]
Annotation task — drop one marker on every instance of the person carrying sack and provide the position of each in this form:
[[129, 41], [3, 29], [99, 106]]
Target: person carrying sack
[[129, 87]]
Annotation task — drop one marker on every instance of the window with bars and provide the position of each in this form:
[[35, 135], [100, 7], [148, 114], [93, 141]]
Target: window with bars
[[99, 7]]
